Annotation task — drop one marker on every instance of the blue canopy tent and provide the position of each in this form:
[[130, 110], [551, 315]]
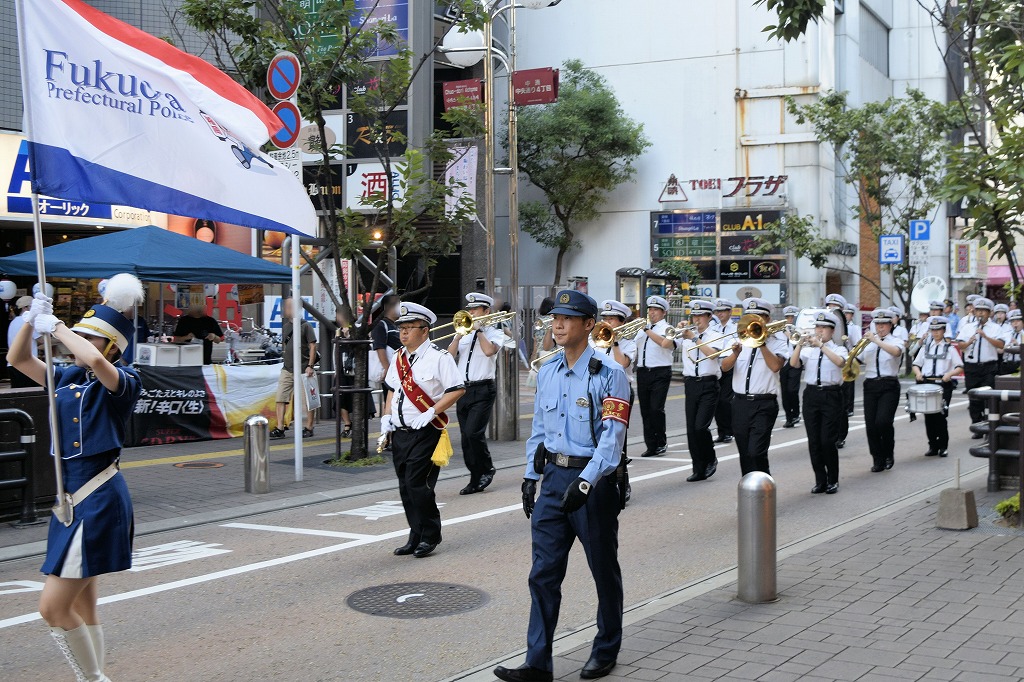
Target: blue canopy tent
[[151, 254]]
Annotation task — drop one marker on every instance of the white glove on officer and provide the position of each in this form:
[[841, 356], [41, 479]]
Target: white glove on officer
[[41, 305], [421, 420], [386, 424], [45, 323]]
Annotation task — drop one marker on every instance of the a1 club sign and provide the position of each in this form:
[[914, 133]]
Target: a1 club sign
[[535, 86], [283, 75]]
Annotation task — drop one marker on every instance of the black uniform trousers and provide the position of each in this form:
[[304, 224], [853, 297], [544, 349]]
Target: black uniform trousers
[[596, 525], [652, 389], [823, 410], [881, 398], [753, 421], [849, 395], [843, 425], [789, 383], [701, 402], [474, 412], [935, 424], [723, 413], [417, 477], [979, 374]]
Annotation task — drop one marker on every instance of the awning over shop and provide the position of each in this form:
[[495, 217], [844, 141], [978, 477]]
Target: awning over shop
[[1000, 274], [151, 254]]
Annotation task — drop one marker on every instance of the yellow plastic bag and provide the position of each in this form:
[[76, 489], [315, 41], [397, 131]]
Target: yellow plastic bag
[[443, 452]]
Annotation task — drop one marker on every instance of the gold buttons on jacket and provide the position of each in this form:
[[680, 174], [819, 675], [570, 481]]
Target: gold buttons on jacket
[[74, 419], [78, 394], [76, 444]]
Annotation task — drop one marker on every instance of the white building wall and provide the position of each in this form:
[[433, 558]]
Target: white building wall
[[708, 85]]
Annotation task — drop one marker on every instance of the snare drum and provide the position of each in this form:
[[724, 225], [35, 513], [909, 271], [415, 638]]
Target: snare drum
[[924, 398]]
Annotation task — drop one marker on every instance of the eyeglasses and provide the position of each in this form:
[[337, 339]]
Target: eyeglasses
[[409, 328]]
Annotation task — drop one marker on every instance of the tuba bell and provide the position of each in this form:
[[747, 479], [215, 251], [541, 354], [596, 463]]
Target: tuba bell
[[851, 368]]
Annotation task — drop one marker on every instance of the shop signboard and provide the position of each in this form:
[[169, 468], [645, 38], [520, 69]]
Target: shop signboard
[[744, 245], [360, 137], [394, 12], [733, 269], [768, 269], [753, 220], [461, 93], [367, 180], [535, 86]]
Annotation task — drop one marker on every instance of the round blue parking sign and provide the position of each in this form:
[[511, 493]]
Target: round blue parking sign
[[283, 75], [292, 121]]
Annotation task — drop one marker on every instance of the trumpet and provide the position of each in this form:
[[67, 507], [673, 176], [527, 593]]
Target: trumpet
[[751, 331], [851, 368], [543, 323], [543, 359], [712, 356], [604, 335], [464, 323], [674, 332], [799, 337]]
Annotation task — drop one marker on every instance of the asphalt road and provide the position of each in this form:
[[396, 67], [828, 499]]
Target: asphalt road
[[264, 597]]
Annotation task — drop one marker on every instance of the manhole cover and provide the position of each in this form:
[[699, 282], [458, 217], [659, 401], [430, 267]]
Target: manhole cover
[[417, 600], [199, 465]]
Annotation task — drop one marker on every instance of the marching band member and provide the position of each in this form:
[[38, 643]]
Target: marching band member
[[1012, 348], [949, 310], [622, 351], [919, 331], [898, 330], [999, 311], [723, 324], [822, 362], [935, 310], [969, 315], [978, 341], [579, 424], [426, 382], [937, 362], [755, 385], [477, 358], [701, 381], [881, 359], [837, 305], [94, 400], [653, 375], [789, 379]]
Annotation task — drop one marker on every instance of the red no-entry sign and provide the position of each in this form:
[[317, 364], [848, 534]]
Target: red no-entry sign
[[292, 120], [283, 75]]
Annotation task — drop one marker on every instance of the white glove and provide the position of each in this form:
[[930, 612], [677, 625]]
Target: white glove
[[421, 420], [386, 425], [45, 323], [41, 305]]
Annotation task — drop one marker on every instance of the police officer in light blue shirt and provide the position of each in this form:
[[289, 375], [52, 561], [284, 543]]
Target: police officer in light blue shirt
[[581, 411]]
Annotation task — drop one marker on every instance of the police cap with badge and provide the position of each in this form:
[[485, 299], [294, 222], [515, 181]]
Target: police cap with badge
[[826, 318], [757, 306], [613, 308], [476, 300], [574, 304], [702, 307], [413, 312]]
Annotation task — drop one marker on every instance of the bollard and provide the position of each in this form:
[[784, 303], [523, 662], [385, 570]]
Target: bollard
[[756, 535], [256, 449]]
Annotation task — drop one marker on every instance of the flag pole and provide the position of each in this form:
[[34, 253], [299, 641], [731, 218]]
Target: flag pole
[[298, 369], [62, 509]]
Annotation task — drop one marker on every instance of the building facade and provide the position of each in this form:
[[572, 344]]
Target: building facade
[[709, 87]]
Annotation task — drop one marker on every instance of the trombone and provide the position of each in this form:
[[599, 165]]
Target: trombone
[[543, 323], [851, 368], [604, 335], [751, 331], [543, 359], [464, 323]]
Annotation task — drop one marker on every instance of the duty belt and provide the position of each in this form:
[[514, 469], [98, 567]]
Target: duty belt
[[567, 461]]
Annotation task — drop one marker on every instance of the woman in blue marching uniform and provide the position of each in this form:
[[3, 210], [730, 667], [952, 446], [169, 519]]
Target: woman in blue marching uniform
[[95, 398]]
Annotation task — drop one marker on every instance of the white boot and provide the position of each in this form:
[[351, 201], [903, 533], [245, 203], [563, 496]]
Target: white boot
[[77, 647], [99, 644]]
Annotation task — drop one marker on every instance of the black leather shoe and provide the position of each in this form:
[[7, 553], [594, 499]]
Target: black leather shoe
[[595, 669], [977, 436], [424, 548], [407, 549], [696, 477], [818, 489], [840, 444], [724, 439], [931, 453], [796, 420], [943, 453], [875, 468], [789, 424], [832, 489], [648, 453], [485, 480], [470, 489], [710, 471], [523, 673], [889, 461]]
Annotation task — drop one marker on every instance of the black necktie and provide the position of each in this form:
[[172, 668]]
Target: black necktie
[[697, 353], [750, 366], [878, 357], [469, 356], [821, 354]]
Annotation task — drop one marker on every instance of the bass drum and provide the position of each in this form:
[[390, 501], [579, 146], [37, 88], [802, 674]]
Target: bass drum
[[924, 399]]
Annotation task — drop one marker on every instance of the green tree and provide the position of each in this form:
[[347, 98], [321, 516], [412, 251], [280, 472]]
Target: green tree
[[576, 151], [334, 45], [794, 17], [987, 38], [893, 154]]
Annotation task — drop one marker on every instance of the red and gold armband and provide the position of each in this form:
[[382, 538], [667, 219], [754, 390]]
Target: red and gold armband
[[617, 409]]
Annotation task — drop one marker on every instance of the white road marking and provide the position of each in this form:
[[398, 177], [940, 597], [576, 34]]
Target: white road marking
[[18, 586], [659, 459], [170, 553], [301, 556], [375, 512], [298, 531]]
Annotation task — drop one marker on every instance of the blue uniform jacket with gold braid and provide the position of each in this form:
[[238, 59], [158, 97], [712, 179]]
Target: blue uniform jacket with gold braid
[[93, 419]]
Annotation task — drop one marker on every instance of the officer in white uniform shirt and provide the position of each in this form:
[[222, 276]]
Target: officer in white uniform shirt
[[881, 360], [427, 382], [700, 376], [847, 334], [477, 357], [653, 375], [822, 361], [1011, 358], [937, 363], [979, 342], [935, 309], [999, 312], [789, 379], [623, 351], [722, 323], [755, 385]]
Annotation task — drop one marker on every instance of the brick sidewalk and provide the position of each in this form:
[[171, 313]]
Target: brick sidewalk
[[893, 599]]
